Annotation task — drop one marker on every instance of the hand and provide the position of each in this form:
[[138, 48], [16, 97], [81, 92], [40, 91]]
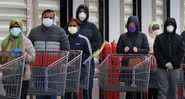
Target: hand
[[126, 49], [135, 49], [17, 51], [169, 66]]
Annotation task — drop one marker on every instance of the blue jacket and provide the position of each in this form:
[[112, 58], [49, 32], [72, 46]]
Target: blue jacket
[[80, 42]]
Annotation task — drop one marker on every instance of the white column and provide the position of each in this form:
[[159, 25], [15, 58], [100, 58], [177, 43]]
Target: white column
[[114, 20], [146, 15], [175, 12]]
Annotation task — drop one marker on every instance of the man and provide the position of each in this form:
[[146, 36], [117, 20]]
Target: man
[[169, 52], [48, 36], [90, 31]]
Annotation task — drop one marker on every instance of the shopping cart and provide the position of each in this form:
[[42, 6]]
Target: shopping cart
[[49, 73], [153, 73], [129, 73], [11, 74], [73, 71]]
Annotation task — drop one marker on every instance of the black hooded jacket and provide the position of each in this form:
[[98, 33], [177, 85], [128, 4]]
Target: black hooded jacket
[[169, 47], [130, 39], [89, 29]]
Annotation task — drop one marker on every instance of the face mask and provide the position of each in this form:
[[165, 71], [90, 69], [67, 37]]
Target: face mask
[[47, 22], [72, 30], [15, 31], [132, 28], [170, 28], [157, 32], [82, 16]]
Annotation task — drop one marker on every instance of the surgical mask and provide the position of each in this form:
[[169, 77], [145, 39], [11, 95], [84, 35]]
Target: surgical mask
[[132, 28], [73, 30], [15, 31], [82, 16], [157, 32], [47, 22], [170, 28]]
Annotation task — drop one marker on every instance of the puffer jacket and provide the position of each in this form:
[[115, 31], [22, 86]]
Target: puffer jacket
[[169, 47], [136, 39], [27, 47]]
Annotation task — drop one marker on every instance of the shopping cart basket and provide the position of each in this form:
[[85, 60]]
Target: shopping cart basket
[[11, 74], [49, 73], [73, 71], [132, 76]]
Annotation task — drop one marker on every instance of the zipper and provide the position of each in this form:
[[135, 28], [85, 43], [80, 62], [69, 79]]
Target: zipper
[[169, 45]]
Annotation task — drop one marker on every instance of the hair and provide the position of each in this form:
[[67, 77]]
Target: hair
[[48, 11], [75, 20]]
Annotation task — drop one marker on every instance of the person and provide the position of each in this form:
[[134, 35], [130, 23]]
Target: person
[[183, 36], [90, 31], [169, 52], [153, 31], [17, 41], [132, 42], [79, 42], [49, 37]]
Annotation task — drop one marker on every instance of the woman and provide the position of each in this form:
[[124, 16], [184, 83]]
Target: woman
[[132, 42], [16, 41], [79, 42]]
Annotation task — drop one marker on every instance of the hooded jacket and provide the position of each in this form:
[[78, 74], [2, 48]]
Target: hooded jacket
[[89, 30], [169, 47], [130, 39]]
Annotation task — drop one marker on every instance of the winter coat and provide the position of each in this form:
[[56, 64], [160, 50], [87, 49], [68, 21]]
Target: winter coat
[[169, 47]]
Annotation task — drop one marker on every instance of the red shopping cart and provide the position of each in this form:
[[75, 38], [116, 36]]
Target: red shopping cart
[[11, 74], [133, 75], [49, 73]]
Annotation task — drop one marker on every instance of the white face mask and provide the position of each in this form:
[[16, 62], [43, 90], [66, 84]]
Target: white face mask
[[15, 31], [157, 32], [82, 16], [170, 28], [73, 30], [47, 22]]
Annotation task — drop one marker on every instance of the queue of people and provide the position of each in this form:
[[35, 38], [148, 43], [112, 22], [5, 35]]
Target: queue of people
[[79, 34]]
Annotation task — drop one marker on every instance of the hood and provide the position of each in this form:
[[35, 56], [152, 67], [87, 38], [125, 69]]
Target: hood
[[170, 21], [135, 20], [18, 21], [153, 25], [83, 6]]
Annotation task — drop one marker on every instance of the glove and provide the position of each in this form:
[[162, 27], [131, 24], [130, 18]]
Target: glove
[[126, 49], [17, 52], [169, 66]]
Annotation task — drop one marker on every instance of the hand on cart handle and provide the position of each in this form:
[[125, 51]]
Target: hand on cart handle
[[17, 52], [169, 66], [135, 49], [126, 49]]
